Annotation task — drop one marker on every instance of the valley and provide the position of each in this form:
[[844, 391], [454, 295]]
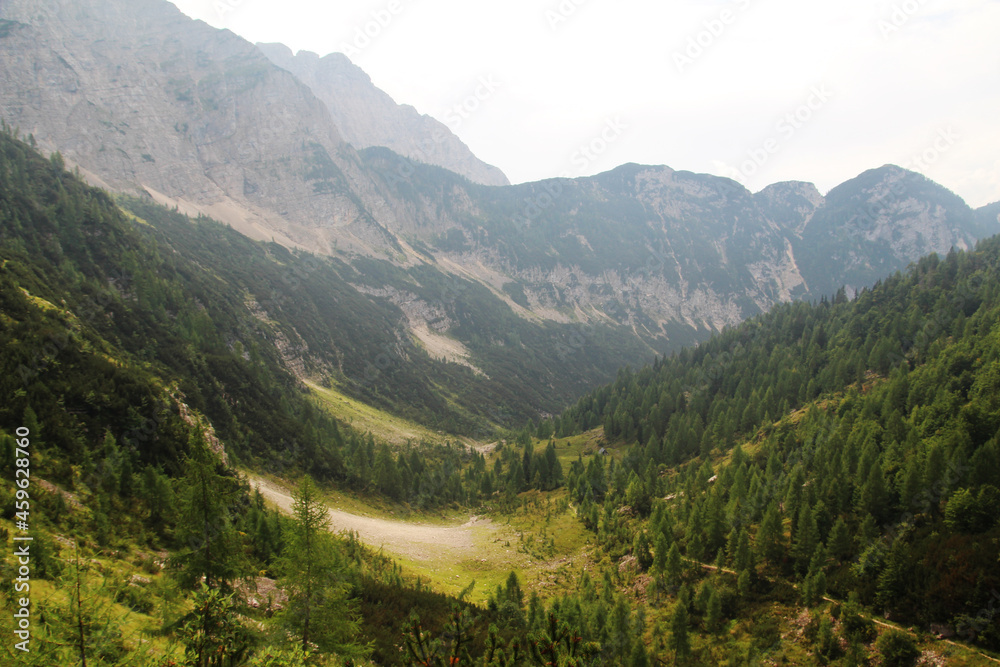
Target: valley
[[309, 384]]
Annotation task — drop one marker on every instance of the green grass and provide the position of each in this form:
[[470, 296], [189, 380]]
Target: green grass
[[383, 425]]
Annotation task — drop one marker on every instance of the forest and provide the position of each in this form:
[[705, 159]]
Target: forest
[[818, 485]]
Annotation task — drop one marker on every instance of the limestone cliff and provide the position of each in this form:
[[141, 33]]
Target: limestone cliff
[[366, 116]]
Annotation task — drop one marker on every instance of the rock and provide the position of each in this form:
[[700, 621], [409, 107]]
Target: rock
[[367, 116]]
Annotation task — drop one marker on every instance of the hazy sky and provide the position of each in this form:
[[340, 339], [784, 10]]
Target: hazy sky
[[758, 90]]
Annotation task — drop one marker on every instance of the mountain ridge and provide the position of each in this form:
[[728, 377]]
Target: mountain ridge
[[367, 116], [200, 119]]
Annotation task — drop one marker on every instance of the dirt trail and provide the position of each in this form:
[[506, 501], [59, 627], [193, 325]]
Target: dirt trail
[[419, 541]]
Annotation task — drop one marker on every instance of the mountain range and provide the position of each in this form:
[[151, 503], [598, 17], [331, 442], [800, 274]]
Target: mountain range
[[248, 301], [306, 152]]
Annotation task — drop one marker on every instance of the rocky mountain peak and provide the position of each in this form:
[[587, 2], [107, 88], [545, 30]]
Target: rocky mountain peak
[[790, 204], [367, 116]]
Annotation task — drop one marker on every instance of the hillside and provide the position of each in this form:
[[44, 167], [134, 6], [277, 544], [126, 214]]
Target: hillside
[[152, 104], [817, 485], [850, 446]]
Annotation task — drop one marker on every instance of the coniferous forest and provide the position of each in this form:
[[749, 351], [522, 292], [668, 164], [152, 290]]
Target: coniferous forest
[[818, 485]]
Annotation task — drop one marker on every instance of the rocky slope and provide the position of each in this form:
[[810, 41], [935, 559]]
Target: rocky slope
[[145, 100], [873, 225], [366, 116]]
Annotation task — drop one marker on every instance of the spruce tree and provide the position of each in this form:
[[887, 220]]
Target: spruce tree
[[680, 642]]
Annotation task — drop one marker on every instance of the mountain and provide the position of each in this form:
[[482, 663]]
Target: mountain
[[147, 101], [367, 116], [818, 485], [544, 288], [989, 216], [873, 225]]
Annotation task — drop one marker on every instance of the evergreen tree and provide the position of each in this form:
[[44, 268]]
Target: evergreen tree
[[680, 642], [674, 567], [212, 549], [314, 575], [839, 541], [713, 614], [770, 539], [640, 549]]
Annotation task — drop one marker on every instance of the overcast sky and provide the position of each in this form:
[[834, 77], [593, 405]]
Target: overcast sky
[[758, 90]]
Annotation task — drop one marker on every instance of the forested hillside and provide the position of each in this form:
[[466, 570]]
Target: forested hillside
[[851, 446], [759, 497], [134, 383], [110, 330]]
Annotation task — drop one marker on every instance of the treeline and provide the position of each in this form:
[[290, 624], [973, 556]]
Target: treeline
[[118, 339], [870, 462]]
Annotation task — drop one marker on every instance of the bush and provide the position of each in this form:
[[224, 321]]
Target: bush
[[766, 632], [856, 626], [898, 649], [136, 598]]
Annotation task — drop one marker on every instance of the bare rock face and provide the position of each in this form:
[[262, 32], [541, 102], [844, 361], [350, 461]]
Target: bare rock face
[[790, 204], [144, 99], [366, 116], [877, 223]]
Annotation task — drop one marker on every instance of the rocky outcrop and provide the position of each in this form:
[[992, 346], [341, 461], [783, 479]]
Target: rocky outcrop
[[876, 224], [366, 116], [144, 99]]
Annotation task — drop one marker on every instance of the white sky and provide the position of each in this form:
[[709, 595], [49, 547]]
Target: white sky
[[899, 78]]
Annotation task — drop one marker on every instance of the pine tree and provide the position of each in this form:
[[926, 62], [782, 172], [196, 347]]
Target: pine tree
[[659, 566], [386, 473], [743, 559], [770, 540], [806, 538], [640, 549], [674, 566], [713, 615], [839, 541], [314, 575], [208, 492], [639, 656], [680, 642]]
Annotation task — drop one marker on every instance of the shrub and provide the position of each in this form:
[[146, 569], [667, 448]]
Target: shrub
[[897, 648]]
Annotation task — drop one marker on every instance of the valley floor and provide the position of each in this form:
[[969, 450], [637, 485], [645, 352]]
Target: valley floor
[[413, 540]]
